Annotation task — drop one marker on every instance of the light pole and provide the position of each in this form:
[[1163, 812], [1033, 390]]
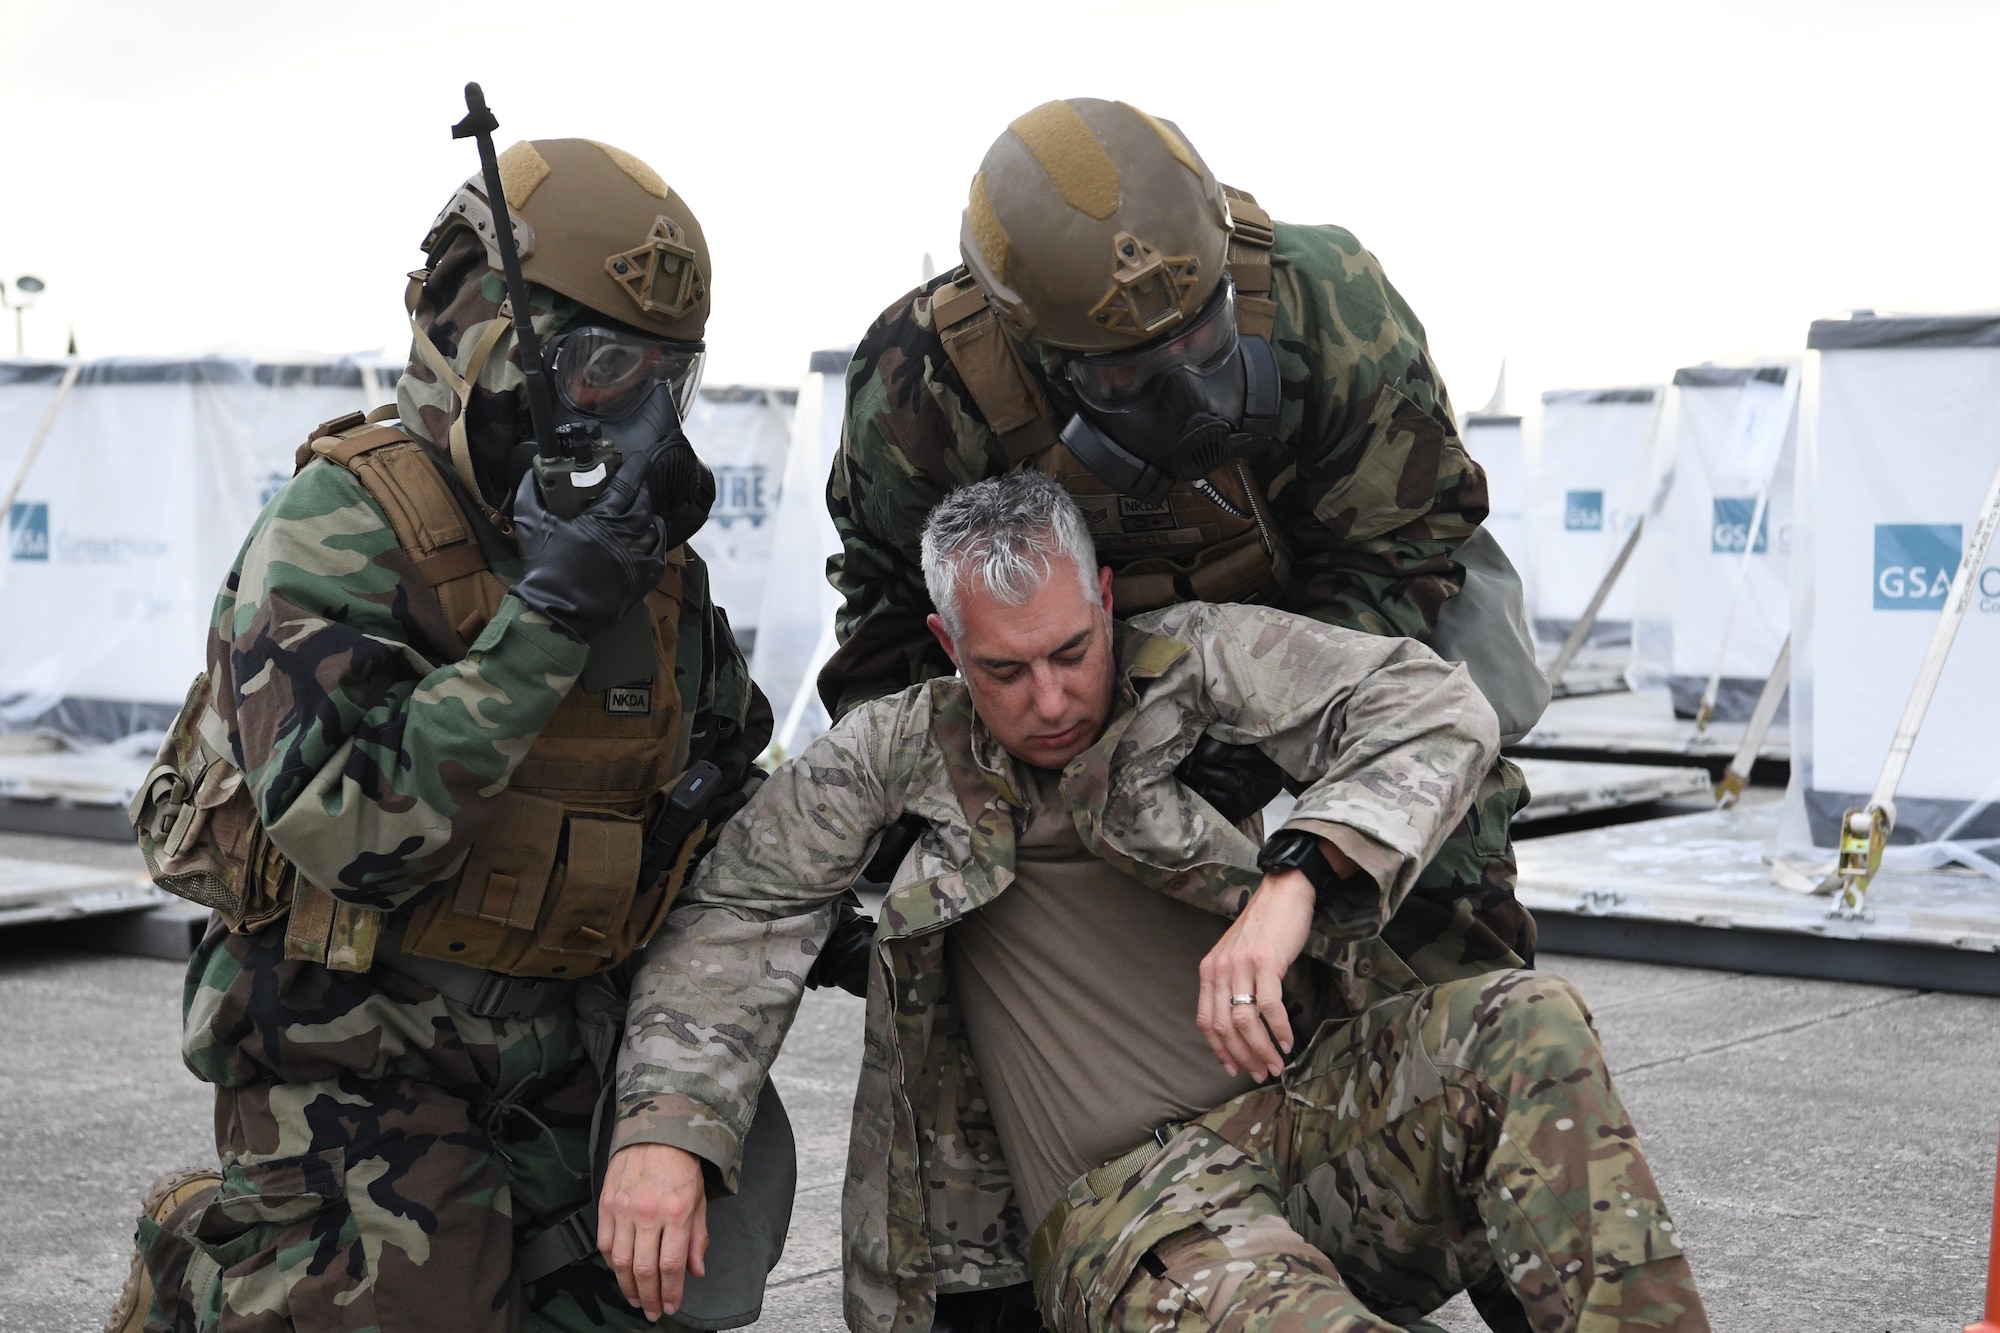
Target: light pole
[[24, 286]]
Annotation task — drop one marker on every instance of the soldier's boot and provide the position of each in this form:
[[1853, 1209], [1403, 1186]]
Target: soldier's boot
[[170, 1194]]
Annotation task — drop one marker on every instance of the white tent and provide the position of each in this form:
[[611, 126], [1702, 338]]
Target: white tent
[[1899, 438], [743, 435], [138, 499], [1591, 486], [125, 519], [1497, 443], [795, 622], [1709, 599]]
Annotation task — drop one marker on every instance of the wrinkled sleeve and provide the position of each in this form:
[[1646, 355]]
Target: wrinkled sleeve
[[375, 765], [909, 435], [1392, 739], [721, 983], [1384, 490]]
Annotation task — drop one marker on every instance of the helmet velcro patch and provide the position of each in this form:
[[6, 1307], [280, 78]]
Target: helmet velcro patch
[[1070, 152], [522, 168], [987, 232], [1175, 144], [642, 175]]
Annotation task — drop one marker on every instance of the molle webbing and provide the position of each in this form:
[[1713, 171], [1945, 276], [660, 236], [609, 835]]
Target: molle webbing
[[1250, 240], [429, 521], [1003, 390]]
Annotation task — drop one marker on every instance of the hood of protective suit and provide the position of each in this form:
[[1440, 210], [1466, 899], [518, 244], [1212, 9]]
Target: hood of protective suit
[[457, 306]]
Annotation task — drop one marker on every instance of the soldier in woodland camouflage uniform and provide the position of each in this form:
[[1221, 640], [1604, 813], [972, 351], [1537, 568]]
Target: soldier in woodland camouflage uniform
[[447, 750], [1423, 1140], [1312, 465]]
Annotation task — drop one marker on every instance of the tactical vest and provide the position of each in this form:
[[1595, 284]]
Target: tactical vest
[[1217, 547], [552, 887]]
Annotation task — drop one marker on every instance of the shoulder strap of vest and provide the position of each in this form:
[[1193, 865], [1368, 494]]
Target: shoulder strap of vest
[[397, 471], [1002, 388], [1250, 240]]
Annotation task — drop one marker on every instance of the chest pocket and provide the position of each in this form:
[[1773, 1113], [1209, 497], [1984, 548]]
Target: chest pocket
[[552, 889]]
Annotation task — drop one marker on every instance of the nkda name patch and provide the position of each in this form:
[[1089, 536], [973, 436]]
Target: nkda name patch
[[629, 700]]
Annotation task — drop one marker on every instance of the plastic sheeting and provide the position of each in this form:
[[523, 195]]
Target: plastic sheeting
[[1707, 597], [1899, 436], [1497, 443], [133, 511], [795, 622], [1591, 486], [743, 435]]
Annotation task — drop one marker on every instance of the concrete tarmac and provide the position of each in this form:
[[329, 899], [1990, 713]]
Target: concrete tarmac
[[1828, 1150]]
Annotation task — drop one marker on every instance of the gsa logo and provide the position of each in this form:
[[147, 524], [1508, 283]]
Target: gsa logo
[[1731, 527], [1583, 511], [1914, 563], [28, 531]]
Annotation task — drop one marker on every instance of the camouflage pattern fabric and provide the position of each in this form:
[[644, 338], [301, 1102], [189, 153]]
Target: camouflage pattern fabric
[[460, 297], [1439, 1139], [383, 1151], [1388, 736], [1370, 482], [383, 1148]]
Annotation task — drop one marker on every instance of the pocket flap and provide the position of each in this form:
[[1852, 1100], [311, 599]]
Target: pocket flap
[[284, 1190]]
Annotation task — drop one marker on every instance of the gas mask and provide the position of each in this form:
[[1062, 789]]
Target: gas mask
[[631, 390], [1177, 409]]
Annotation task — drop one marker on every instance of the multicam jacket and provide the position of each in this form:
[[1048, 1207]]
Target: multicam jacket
[[1370, 482], [1392, 739]]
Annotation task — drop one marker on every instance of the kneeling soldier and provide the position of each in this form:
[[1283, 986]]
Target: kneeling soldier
[[456, 747]]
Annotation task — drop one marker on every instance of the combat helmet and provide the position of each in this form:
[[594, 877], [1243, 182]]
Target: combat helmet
[[1093, 227], [598, 225], [617, 270]]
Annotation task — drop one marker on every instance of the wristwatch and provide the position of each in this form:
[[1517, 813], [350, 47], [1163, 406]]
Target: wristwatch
[[1295, 849]]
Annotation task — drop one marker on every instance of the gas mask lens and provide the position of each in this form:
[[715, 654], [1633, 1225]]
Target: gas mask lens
[[608, 374], [1123, 381]]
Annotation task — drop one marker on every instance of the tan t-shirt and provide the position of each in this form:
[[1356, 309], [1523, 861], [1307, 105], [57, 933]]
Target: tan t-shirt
[[1078, 986]]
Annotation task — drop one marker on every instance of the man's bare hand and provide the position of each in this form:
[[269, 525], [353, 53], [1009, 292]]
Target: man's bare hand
[[1251, 959], [652, 1224]]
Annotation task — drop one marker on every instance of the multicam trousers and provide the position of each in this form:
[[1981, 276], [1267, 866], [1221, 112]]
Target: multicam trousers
[[383, 1153], [1441, 1140]]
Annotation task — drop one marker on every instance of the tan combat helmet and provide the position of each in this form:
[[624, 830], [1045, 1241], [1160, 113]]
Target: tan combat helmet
[[598, 225], [1094, 227]]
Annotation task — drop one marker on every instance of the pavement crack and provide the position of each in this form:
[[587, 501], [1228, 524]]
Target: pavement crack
[[797, 1278], [1675, 993], [1748, 1038]]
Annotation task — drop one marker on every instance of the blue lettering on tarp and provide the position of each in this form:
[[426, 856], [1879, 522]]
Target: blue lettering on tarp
[[1583, 511], [1914, 563], [1731, 525], [28, 530], [741, 495]]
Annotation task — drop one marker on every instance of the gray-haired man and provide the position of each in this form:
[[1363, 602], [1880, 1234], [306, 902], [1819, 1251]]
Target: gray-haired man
[[1086, 986]]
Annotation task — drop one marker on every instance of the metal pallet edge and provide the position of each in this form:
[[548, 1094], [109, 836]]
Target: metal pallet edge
[[1873, 962]]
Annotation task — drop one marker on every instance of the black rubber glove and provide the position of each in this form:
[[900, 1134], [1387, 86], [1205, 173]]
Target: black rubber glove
[[843, 959], [1238, 780], [584, 573]]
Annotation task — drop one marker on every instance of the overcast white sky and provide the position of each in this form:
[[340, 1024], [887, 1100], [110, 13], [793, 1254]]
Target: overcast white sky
[[1600, 191]]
